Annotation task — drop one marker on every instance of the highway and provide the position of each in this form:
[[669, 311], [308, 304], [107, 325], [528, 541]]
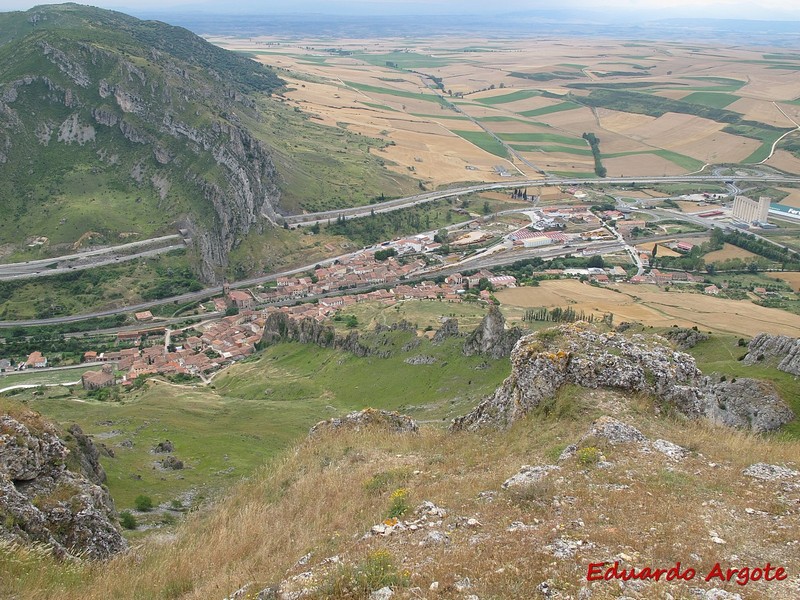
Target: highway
[[417, 199], [470, 263], [397, 204], [90, 259]]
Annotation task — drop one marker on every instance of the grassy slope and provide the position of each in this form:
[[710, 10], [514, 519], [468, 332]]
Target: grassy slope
[[259, 407], [322, 167], [322, 497], [111, 286]]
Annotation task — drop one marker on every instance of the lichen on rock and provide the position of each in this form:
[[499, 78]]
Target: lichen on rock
[[581, 354], [42, 500]]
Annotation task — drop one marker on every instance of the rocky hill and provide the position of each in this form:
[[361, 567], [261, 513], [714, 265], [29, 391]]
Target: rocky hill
[[374, 505], [583, 355], [601, 453], [51, 490], [491, 337], [118, 126]]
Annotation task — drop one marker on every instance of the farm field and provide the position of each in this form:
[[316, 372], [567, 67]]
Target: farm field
[[652, 306], [793, 198], [792, 278], [729, 251], [438, 107]]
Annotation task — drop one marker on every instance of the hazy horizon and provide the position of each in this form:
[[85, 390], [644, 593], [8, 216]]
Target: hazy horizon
[[629, 10]]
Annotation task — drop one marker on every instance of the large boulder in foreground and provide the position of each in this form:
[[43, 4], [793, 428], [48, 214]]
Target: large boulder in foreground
[[580, 354], [745, 403], [41, 500]]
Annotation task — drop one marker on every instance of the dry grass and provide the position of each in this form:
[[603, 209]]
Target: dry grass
[[793, 199], [651, 306], [792, 278], [320, 498], [729, 251]]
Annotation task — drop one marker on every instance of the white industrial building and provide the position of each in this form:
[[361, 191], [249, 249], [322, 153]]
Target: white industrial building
[[748, 210], [537, 242]]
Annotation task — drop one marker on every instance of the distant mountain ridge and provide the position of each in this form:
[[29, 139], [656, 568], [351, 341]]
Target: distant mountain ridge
[[114, 125]]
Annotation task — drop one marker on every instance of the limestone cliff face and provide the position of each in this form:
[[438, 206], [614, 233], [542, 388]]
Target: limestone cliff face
[[280, 328], [169, 107], [580, 354], [42, 500], [782, 347]]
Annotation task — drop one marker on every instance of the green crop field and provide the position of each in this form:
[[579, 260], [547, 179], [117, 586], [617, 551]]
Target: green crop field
[[712, 99], [543, 137], [552, 148], [403, 60], [484, 141], [546, 110], [374, 89], [766, 136], [683, 161], [719, 84], [512, 97], [442, 116], [379, 106]]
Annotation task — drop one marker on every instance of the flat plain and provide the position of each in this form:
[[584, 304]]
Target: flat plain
[[450, 113]]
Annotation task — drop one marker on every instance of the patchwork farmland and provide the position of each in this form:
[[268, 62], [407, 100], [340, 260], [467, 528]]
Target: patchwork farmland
[[453, 114]]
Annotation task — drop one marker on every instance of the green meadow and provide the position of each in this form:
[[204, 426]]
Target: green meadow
[[252, 410]]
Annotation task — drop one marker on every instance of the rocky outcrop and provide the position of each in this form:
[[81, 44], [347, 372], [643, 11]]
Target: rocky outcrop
[[401, 325], [782, 347], [358, 420], [281, 328], [580, 354], [684, 338], [42, 500], [448, 329], [420, 359], [766, 472], [164, 447], [491, 337], [745, 403], [87, 456]]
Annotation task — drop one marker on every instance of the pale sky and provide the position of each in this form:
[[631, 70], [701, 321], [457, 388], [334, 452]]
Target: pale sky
[[725, 9]]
